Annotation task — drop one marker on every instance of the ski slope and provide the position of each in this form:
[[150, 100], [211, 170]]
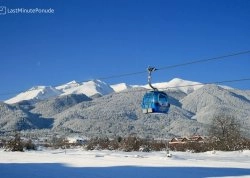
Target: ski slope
[[114, 164]]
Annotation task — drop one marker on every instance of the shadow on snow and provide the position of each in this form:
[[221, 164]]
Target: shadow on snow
[[53, 170]]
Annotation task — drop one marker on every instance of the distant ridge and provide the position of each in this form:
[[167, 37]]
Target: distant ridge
[[97, 88]]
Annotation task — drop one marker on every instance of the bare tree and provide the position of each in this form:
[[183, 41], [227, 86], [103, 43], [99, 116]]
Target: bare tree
[[226, 130]]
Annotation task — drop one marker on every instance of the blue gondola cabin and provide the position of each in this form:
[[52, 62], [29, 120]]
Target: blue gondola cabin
[[155, 102]]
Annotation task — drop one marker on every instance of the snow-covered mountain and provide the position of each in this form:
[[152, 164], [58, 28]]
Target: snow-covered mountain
[[120, 87], [90, 88], [68, 86], [35, 93], [177, 84], [120, 114], [97, 88]]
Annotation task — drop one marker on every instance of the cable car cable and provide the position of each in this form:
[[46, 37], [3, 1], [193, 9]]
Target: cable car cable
[[161, 68], [204, 60], [178, 65]]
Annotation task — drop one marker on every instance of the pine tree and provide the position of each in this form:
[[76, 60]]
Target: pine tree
[[15, 144]]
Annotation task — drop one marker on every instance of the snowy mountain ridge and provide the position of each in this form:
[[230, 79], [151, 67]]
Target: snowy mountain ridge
[[35, 93], [89, 88], [120, 113], [178, 84], [97, 88]]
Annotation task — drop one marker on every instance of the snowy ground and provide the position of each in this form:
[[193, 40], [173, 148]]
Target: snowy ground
[[113, 164]]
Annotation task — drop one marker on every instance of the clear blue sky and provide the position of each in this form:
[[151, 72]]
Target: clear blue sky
[[88, 39]]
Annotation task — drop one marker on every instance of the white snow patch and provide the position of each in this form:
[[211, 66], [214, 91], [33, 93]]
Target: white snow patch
[[115, 164], [120, 87]]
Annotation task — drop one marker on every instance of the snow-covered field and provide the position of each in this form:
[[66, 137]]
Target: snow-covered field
[[114, 164]]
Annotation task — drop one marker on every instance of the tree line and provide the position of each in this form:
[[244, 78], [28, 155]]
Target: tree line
[[225, 134]]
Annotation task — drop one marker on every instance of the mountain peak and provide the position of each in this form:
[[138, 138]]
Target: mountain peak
[[67, 86], [95, 82], [35, 93], [120, 87], [177, 80], [37, 88], [88, 88], [184, 85], [72, 82]]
